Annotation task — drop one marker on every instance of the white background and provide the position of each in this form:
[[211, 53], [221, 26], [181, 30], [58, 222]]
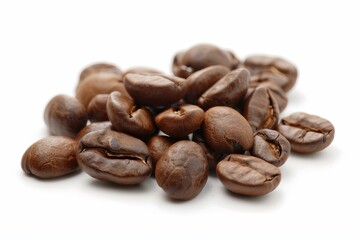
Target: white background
[[45, 44]]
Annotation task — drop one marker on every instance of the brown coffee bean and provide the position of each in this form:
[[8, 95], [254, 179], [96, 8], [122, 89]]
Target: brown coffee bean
[[202, 56], [97, 108], [126, 117], [182, 171], [158, 145], [271, 146], [50, 157], [200, 81], [115, 157], [261, 109], [65, 116], [179, 121], [307, 133], [152, 90], [98, 83], [248, 175], [282, 72], [93, 127], [228, 91], [143, 71], [99, 68], [226, 130]]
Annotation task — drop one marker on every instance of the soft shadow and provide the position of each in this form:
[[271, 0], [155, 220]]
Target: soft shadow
[[62, 178], [328, 155], [139, 188], [295, 96]]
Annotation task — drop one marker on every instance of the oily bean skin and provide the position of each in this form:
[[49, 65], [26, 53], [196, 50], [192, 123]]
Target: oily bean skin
[[98, 68], [126, 117], [307, 133], [65, 116], [97, 108], [261, 109], [248, 175], [115, 157], [182, 171], [50, 157], [228, 91], [278, 67], [158, 145], [181, 120], [93, 127], [155, 90], [227, 131], [271, 146], [201, 56], [200, 81]]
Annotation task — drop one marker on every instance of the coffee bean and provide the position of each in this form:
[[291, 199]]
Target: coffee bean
[[271, 146], [179, 121], [283, 72], [50, 157], [261, 109], [228, 91], [65, 116], [97, 108], [182, 171], [115, 157], [93, 127], [202, 56], [307, 133], [200, 81], [248, 175], [158, 145], [226, 130], [152, 90], [99, 68], [143, 71], [126, 117]]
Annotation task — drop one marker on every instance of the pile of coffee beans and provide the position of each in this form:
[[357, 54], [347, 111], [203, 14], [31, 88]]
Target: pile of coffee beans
[[215, 114]]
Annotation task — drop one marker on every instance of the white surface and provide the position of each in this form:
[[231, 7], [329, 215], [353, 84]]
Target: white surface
[[44, 45]]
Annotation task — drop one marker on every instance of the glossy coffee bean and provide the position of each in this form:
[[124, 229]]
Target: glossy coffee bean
[[97, 108], [227, 131], [126, 117], [65, 116], [212, 157], [248, 175], [228, 91], [261, 109], [158, 145], [179, 121], [202, 56], [200, 81], [307, 133], [95, 126], [182, 171], [50, 157], [283, 72], [143, 70], [155, 90], [115, 157], [98, 83], [99, 68], [271, 146]]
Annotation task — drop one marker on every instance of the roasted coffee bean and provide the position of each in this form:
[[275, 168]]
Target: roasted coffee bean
[[99, 68], [65, 116], [200, 81], [126, 117], [271, 146], [155, 90], [307, 133], [143, 71], [202, 56], [261, 109], [248, 175], [227, 131], [93, 127], [97, 108], [50, 157], [98, 83], [281, 71], [179, 121], [115, 157], [182, 171], [228, 91], [276, 91], [158, 145], [212, 157]]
